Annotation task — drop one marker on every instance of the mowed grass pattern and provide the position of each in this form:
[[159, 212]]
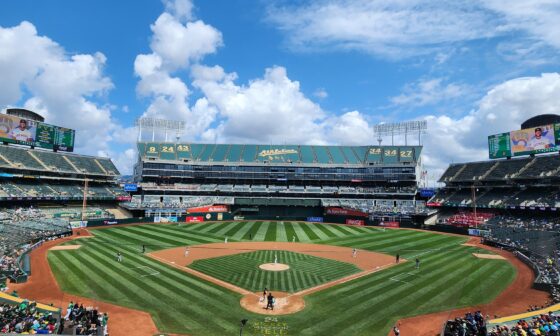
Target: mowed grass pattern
[[449, 277], [305, 270]]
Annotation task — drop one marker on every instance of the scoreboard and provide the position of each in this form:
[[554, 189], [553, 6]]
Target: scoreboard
[[534, 140], [35, 133]]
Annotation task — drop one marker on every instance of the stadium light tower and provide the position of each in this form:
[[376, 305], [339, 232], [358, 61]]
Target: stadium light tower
[[154, 125], [400, 128]]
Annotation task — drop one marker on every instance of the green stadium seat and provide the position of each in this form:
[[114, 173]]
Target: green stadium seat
[[219, 153], [307, 154], [249, 153], [337, 154], [351, 155], [234, 154], [322, 155]]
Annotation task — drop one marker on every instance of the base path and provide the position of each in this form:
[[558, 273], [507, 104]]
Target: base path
[[515, 299], [364, 260], [289, 303], [42, 287]]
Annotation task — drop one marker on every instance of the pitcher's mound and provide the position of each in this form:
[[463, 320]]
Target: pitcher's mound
[[285, 303], [274, 267]]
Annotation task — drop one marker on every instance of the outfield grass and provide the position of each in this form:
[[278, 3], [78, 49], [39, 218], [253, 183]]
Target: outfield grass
[[450, 277], [305, 270]]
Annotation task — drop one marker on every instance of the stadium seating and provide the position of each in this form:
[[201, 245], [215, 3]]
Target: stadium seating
[[546, 166], [14, 157], [277, 154], [543, 166], [507, 169], [474, 171]]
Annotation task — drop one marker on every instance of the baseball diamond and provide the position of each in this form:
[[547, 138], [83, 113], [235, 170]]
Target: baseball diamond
[[450, 276]]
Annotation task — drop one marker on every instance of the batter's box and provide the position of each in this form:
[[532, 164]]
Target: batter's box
[[144, 271]]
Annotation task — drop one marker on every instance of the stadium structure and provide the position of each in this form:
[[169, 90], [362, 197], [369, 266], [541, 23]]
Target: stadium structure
[[41, 173], [302, 222], [278, 180], [512, 201]]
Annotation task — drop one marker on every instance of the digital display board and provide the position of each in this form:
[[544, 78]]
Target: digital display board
[[541, 139], [23, 131]]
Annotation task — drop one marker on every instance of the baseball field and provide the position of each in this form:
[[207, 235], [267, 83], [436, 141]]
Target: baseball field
[[182, 300]]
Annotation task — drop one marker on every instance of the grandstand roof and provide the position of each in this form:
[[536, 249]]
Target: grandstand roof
[[279, 154], [20, 158]]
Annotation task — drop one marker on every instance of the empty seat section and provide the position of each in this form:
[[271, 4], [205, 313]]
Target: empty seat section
[[196, 150], [361, 152], [55, 161], [474, 170], [322, 154], [350, 155], [109, 166], [219, 153], [307, 155], [451, 171], [206, 154], [86, 164], [234, 154], [507, 169], [336, 154], [249, 153], [20, 156], [543, 166]]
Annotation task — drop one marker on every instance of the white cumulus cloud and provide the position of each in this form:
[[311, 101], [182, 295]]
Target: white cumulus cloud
[[67, 89]]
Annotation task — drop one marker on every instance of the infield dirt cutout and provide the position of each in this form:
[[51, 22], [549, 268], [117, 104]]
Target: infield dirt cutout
[[488, 256], [65, 247], [287, 303]]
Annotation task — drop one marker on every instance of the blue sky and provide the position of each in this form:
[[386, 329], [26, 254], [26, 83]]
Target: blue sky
[[282, 71]]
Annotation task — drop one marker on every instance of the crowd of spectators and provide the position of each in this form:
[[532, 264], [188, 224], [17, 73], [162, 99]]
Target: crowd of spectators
[[25, 318], [536, 239], [469, 325], [86, 320], [526, 223], [475, 325], [20, 230]]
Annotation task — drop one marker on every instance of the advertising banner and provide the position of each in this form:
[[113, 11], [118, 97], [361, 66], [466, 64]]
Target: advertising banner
[[124, 198], [168, 219], [391, 224], [131, 187], [78, 224], [210, 208], [534, 140], [109, 222], [28, 132], [355, 222], [345, 212], [194, 219], [315, 219]]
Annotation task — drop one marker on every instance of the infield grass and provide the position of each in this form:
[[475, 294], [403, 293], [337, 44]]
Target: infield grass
[[305, 270], [449, 277]]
